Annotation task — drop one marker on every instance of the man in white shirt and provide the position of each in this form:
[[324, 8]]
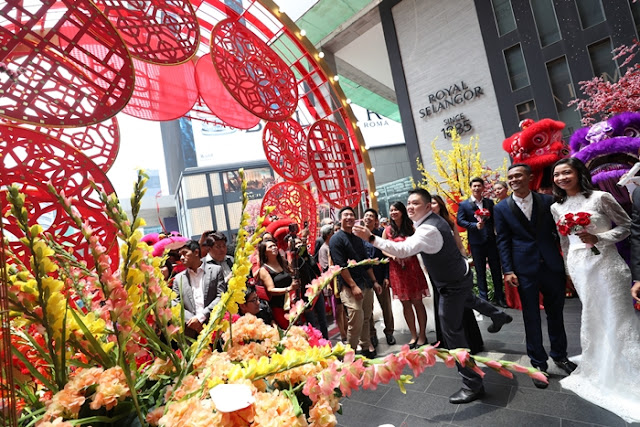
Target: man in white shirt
[[450, 273], [199, 288]]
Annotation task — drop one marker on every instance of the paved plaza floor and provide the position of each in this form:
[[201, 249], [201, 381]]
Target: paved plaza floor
[[507, 402]]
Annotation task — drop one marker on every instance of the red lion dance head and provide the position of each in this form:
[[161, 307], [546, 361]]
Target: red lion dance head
[[539, 145]]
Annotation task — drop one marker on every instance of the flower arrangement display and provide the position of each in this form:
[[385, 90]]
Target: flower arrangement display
[[572, 223], [94, 346]]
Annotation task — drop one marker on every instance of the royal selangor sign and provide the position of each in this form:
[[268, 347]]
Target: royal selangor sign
[[456, 94]]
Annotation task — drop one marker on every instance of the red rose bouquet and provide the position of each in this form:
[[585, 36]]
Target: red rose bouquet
[[482, 214], [574, 223]]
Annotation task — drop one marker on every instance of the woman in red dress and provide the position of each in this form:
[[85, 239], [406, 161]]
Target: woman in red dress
[[406, 276]]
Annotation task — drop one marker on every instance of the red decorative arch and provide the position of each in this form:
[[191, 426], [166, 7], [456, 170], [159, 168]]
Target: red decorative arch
[[285, 145]]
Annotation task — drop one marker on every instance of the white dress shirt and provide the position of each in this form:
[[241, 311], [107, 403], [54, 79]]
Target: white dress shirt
[[426, 239], [525, 204], [196, 279], [477, 202]]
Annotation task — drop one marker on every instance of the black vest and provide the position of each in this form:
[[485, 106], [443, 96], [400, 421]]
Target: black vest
[[446, 267]]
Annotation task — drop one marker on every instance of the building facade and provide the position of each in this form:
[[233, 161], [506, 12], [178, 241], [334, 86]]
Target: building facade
[[482, 66]]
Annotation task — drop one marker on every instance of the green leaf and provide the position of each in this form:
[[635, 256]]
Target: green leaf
[[105, 359]]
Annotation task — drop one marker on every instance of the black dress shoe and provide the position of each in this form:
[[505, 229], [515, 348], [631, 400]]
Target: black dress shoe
[[390, 339], [374, 341], [502, 304], [370, 354], [499, 323], [566, 365], [466, 396], [537, 382]]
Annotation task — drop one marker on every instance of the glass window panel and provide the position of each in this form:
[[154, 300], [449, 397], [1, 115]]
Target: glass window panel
[[563, 92], [200, 220], [235, 214], [635, 10], [221, 218], [546, 21], [602, 61], [516, 67], [196, 186], [527, 110], [216, 188], [590, 11], [504, 16]]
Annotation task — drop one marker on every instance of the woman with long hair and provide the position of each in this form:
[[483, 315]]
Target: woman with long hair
[[276, 276], [406, 277], [610, 328], [469, 322]]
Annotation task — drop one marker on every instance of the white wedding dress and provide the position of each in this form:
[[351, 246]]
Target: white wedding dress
[[609, 368]]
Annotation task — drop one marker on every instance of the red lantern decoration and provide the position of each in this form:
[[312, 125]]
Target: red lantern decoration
[[162, 92], [252, 72], [333, 165], [286, 149], [295, 202], [218, 99], [156, 31], [32, 160], [57, 85]]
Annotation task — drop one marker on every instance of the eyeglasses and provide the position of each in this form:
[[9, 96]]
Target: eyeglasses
[[253, 300]]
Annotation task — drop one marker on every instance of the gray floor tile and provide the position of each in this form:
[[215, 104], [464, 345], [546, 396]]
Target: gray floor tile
[[372, 397], [413, 421], [563, 405], [423, 405], [481, 415], [356, 414]]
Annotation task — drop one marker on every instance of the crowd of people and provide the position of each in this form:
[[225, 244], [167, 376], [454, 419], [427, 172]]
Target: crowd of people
[[520, 237]]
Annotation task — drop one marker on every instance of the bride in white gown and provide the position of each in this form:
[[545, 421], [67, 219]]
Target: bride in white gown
[[608, 370]]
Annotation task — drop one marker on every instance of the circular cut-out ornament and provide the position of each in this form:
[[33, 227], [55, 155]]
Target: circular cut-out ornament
[[332, 163], [293, 201], [252, 72], [56, 83], [162, 92], [156, 31], [218, 99], [285, 145], [32, 160], [99, 142]]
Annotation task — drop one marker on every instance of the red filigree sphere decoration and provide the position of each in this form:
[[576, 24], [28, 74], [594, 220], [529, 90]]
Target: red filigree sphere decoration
[[252, 72], [31, 160], [57, 84], [156, 31], [99, 142], [332, 163], [285, 145], [295, 202]]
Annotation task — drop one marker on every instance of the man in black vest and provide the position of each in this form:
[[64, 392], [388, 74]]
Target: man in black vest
[[450, 273]]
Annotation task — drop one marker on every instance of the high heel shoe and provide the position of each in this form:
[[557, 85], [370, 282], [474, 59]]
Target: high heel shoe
[[412, 345]]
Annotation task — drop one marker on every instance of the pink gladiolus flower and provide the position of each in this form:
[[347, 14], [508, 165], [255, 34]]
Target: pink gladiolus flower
[[520, 368], [368, 379], [463, 357], [505, 373], [450, 361], [395, 365], [539, 376], [478, 371], [493, 364]]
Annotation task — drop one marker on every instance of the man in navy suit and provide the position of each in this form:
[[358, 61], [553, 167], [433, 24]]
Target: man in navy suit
[[527, 241], [482, 240], [198, 288]]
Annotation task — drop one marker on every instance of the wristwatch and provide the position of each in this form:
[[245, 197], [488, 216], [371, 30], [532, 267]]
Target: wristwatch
[[372, 238]]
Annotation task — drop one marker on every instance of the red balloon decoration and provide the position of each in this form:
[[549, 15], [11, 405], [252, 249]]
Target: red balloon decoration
[[156, 31], [286, 149], [162, 92], [295, 202], [218, 99], [333, 165], [32, 160], [99, 142], [56, 85], [252, 72]]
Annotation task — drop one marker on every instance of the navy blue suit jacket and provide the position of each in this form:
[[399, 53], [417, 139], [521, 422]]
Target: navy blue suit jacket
[[466, 219], [523, 244]]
